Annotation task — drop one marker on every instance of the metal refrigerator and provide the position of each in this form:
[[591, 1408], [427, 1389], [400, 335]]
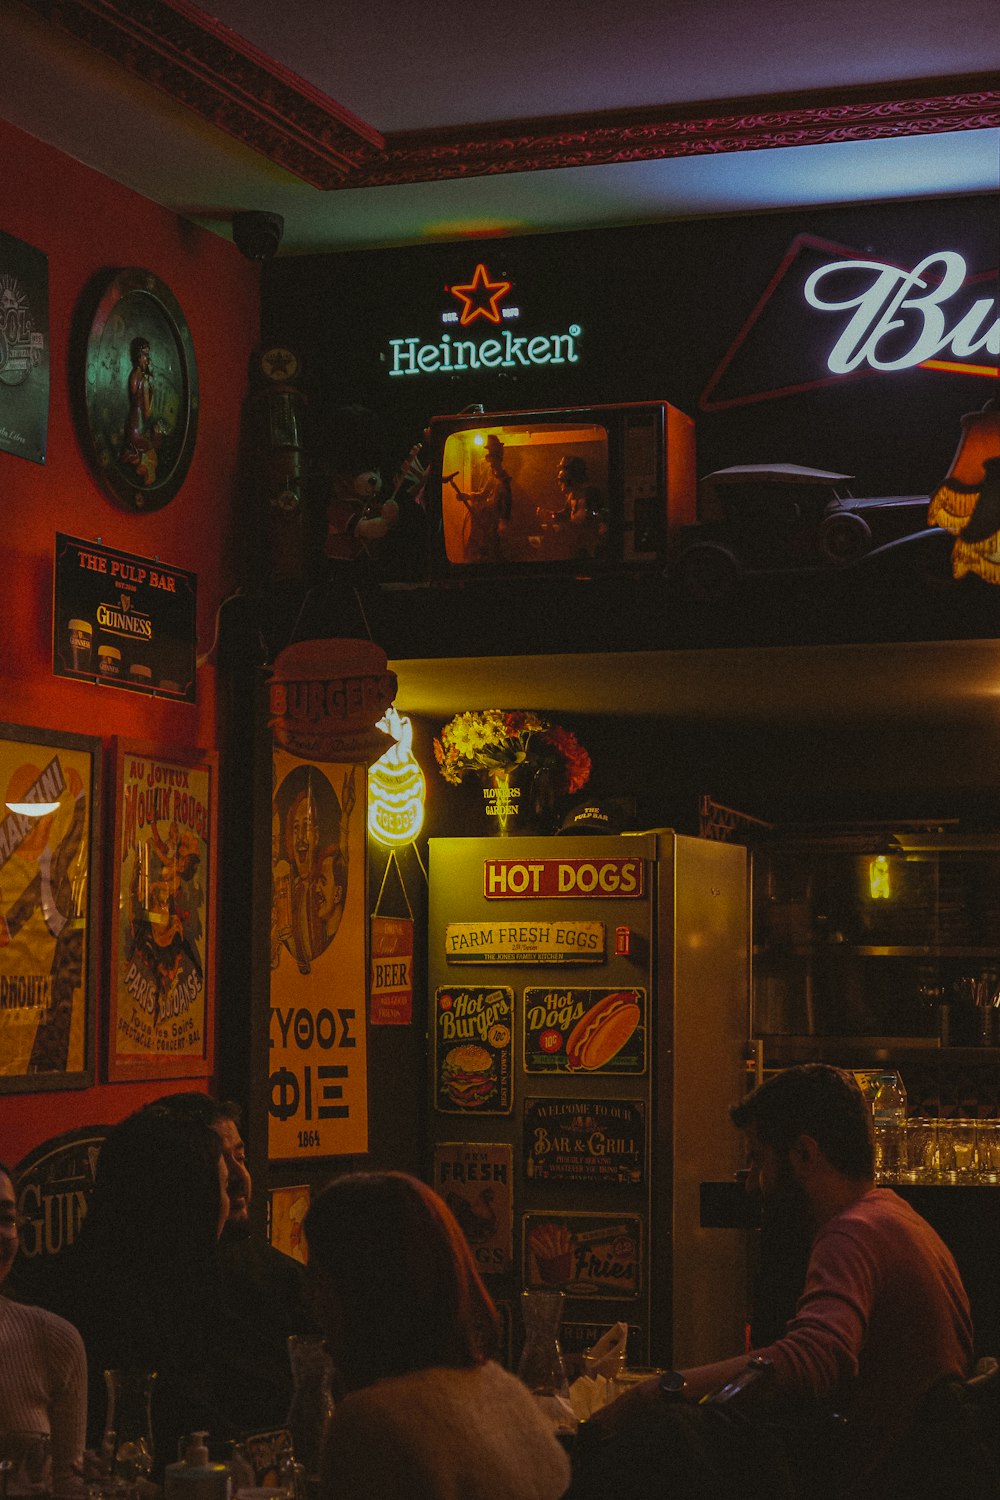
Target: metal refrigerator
[[587, 1031]]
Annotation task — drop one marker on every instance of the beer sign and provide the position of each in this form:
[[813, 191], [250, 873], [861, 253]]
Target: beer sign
[[124, 621], [391, 979]]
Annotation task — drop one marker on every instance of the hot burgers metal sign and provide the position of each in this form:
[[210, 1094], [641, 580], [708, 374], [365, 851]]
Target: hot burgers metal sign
[[473, 1050]]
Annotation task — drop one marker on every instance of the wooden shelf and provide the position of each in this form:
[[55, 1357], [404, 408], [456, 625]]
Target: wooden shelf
[[872, 950]]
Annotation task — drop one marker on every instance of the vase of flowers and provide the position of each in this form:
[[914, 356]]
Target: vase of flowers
[[523, 762]]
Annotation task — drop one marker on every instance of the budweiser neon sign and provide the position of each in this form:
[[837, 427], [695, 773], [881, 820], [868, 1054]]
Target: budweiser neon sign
[[901, 319]]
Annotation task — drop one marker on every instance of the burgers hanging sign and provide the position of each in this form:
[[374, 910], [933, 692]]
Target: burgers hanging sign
[[473, 1041]]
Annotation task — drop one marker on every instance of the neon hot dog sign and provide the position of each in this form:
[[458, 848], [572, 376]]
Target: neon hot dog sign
[[915, 307]]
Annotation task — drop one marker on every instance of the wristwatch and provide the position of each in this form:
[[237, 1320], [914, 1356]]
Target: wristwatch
[[673, 1385]]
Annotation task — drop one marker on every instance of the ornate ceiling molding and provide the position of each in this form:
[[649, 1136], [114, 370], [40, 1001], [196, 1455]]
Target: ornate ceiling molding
[[693, 130], [211, 70], [235, 87]]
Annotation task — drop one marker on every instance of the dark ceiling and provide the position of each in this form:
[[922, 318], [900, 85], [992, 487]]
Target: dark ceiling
[[435, 121]]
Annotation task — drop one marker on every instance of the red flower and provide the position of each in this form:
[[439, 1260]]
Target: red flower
[[576, 761]]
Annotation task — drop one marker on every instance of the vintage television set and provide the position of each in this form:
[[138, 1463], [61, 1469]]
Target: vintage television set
[[576, 490]]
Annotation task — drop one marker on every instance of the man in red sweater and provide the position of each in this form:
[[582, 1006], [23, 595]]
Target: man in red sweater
[[883, 1316], [882, 1321]]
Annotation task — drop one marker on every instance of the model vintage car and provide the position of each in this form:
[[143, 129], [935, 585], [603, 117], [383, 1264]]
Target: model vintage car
[[782, 518]]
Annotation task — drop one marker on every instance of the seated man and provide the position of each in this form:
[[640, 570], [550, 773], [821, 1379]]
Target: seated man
[[263, 1289], [883, 1318]]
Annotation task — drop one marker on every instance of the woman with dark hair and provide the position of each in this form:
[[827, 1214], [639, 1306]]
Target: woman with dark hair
[[428, 1414], [43, 1368], [141, 1280]]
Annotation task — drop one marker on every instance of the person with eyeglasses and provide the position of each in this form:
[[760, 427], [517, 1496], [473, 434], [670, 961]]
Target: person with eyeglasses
[[43, 1366]]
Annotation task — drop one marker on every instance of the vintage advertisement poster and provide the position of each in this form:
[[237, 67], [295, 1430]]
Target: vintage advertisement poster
[[570, 1030], [583, 1255], [513, 942], [318, 1086], [391, 981], [123, 621], [476, 1181], [585, 1141], [46, 941], [473, 1049], [54, 1182], [287, 1208], [162, 1002], [24, 349]]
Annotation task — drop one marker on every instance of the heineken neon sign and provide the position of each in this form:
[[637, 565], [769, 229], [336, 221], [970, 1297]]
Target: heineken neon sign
[[411, 357], [496, 349]]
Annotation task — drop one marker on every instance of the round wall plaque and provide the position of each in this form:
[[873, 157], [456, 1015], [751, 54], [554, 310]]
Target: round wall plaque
[[141, 392]]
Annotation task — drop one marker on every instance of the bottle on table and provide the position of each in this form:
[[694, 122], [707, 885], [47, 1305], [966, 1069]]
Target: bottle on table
[[888, 1118]]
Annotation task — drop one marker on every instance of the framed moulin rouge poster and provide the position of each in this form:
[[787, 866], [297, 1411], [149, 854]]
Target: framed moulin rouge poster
[[49, 876], [161, 1011]]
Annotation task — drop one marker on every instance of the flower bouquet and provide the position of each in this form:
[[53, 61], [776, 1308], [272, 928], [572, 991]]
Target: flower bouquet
[[505, 747]]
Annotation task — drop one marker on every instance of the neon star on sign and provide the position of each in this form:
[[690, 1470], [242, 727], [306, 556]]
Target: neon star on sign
[[480, 297]]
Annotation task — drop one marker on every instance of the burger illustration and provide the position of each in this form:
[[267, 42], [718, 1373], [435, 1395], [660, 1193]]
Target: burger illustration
[[602, 1033], [468, 1076]]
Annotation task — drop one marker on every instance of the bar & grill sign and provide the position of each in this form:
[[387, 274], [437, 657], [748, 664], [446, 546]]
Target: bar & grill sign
[[597, 1141]]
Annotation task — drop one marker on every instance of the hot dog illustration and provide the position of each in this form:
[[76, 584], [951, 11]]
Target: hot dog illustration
[[602, 1033]]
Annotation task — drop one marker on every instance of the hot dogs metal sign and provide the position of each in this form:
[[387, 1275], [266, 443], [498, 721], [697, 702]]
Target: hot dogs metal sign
[[570, 1030]]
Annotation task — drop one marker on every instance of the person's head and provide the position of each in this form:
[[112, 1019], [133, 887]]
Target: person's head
[[572, 471], [159, 1197], [494, 451], [139, 352], [797, 1110], [222, 1116], [303, 833], [8, 1222], [330, 885], [394, 1282]]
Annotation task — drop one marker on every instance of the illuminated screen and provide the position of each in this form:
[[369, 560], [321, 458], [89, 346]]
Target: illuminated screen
[[525, 493]]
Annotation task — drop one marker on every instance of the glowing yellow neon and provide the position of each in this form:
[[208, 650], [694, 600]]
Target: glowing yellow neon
[[878, 878], [396, 787]]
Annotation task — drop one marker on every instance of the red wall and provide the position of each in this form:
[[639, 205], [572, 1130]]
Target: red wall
[[84, 222]]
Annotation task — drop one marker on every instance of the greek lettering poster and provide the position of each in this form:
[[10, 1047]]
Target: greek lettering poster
[[318, 1083], [45, 941], [162, 1005]]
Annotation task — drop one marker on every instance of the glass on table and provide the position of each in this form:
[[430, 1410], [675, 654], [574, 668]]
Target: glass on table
[[629, 1376], [988, 1152]]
